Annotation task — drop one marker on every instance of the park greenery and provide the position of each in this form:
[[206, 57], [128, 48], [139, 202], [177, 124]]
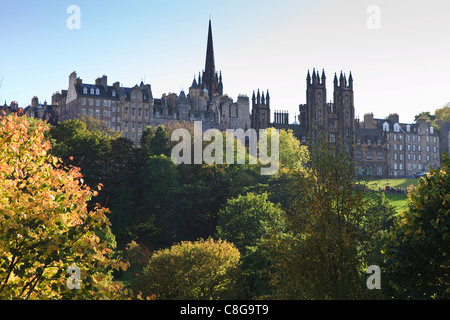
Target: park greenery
[[140, 227]]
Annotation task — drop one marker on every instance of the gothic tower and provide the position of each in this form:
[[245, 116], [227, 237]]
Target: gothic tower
[[313, 113], [345, 111], [260, 111], [211, 81]]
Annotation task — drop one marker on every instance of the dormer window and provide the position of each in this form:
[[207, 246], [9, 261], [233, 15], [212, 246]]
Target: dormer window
[[408, 128], [92, 90], [85, 90], [396, 127], [113, 93], [431, 130], [386, 127], [97, 92]]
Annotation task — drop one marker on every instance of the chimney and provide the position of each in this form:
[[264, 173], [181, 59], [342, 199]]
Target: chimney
[[394, 118]]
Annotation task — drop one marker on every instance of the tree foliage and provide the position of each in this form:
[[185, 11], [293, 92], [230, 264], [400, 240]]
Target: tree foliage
[[200, 270], [417, 251], [318, 258], [45, 225]]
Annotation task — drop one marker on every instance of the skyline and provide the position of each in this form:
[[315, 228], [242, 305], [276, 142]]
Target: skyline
[[402, 67]]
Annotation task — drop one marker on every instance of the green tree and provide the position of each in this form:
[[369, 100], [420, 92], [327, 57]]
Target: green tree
[[247, 221], [318, 258], [159, 143], [417, 249], [200, 270], [45, 224]]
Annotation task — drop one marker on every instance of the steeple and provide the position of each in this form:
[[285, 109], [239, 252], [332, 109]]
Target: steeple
[[210, 79]]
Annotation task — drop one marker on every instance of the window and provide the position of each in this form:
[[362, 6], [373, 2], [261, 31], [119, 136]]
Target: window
[[97, 113], [395, 147], [400, 165], [319, 95], [431, 130], [91, 112], [395, 165], [379, 142], [105, 103], [83, 111], [419, 148], [85, 90], [91, 102], [92, 90], [428, 148], [409, 156], [388, 136], [369, 142], [428, 158], [420, 157], [97, 92], [386, 127], [369, 155], [379, 155], [113, 93], [408, 128], [332, 137], [139, 112], [346, 115], [97, 102], [358, 141], [83, 101], [395, 137], [358, 154], [418, 139], [434, 149], [409, 138], [105, 113], [409, 147], [380, 171], [146, 113], [401, 156], [395, 156]]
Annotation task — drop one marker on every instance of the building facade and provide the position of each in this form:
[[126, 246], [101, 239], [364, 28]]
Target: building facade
[[132, 109]]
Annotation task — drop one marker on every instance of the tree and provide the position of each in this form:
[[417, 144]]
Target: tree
[[318, 258], [45, 224], [159, 143], [417, 249], [200, 270], [247, 221], [443, 114]]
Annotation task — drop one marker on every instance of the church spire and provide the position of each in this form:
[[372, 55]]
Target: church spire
[[209, 79]]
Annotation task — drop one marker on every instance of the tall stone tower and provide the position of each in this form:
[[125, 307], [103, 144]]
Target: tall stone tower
[[211, 80], [260, 111], [333, 120], [344, 109]]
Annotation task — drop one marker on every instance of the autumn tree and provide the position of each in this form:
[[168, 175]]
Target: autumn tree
[[318, 257], [417, 252], [200, 270], [45, 225]]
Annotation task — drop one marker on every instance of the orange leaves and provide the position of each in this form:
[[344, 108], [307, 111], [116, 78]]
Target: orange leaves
[[44, 218]]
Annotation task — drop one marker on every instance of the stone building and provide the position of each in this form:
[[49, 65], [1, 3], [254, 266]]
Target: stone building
[[399, 149], [335, 119], [132, 109]]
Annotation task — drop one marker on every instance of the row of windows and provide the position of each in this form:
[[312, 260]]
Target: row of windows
[[96, 91], [408, 147]]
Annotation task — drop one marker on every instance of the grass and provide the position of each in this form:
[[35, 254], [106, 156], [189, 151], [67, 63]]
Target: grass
[[398, 200]]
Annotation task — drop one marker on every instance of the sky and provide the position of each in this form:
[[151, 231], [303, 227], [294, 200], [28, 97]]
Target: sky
[[398, 51]]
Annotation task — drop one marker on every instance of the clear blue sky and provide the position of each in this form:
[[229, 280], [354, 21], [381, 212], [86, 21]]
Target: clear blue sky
[[402, 67]]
